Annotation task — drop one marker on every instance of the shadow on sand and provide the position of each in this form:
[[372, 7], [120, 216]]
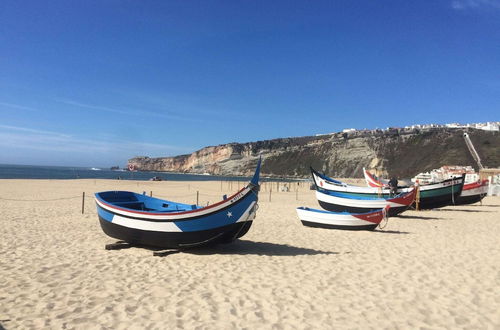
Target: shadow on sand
[[461, 210], [238, 247], [391, 232], [242, 247], [416, 217], [1, 327]]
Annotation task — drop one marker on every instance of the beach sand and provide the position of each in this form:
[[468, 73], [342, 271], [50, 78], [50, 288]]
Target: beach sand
[[429, 269]]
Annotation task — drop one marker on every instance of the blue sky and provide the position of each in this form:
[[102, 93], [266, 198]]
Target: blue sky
[[94, 83]]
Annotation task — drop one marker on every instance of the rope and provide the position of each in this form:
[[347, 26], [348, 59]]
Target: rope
[[39, 200], [384, 217], [452, 194]]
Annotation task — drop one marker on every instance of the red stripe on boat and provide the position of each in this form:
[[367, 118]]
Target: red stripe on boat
[[475, 185], [374, 217], [406, 199]]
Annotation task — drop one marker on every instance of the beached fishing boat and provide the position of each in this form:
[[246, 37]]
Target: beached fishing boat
[[142, 220], [374, 181], [343, 202], [430, 196], [472, 192], [341, 220]]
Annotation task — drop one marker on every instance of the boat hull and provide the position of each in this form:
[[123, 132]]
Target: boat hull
[[228, 221], [343, 221], [393, 211], [341, 227], [466, 200], [437, 200], [175, 240], [431, 196], [340, 202], [473, 193]]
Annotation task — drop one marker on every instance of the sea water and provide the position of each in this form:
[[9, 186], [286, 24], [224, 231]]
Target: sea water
[[66, 172]]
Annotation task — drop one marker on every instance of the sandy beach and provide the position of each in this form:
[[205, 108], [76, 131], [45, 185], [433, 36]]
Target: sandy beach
[[430, 269]]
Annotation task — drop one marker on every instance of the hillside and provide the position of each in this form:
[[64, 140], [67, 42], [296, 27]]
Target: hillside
[[397, 152]]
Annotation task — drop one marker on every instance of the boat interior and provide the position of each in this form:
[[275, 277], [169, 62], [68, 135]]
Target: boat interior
[[133, 201]]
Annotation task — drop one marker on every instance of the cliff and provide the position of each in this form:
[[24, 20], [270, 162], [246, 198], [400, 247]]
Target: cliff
[[396, 152]]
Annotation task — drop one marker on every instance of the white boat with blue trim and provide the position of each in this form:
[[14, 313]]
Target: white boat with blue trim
[[342, 220]]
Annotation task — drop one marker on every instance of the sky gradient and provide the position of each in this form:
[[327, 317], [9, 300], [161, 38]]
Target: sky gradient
[[94, 83]]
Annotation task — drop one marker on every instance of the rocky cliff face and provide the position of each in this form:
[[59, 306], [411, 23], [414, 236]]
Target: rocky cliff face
[[396, 152]]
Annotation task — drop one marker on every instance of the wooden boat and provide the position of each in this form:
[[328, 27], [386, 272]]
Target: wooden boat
[[341, 220], [374, 181], [344, 202], [430, 196], [142, 220], [472, 192]]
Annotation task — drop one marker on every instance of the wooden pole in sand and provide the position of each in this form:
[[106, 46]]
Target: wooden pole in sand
[[270, 190], [197, 196], [83, 202], [417, 199]]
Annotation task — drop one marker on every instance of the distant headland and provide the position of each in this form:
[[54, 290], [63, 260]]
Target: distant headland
[[403, 152]]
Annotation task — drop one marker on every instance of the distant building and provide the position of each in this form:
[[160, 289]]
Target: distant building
[[454, 125], [447, 172], [489, 127]]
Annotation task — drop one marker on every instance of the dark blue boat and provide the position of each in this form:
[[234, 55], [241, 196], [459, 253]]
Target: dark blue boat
[[142, 220]]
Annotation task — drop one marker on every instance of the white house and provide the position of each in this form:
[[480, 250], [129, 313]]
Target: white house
[[490, 127]]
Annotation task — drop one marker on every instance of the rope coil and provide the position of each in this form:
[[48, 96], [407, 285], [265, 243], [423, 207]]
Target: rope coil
[[385, 217]]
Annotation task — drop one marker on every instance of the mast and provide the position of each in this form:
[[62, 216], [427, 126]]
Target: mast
[[473, 151]]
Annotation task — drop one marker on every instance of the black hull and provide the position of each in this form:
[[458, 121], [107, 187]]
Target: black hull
[[322, 225], [175, 240], [461, 200], [435, 202], [393, 211]]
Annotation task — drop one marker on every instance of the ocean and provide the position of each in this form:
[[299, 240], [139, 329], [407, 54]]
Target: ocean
[[65, 172]]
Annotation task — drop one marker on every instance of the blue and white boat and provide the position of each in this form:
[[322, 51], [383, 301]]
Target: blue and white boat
[[142, 220], [430, 196], [335, 201]]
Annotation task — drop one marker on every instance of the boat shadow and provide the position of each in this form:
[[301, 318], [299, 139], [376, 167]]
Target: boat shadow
[[415, 217], [391, 232], [462, 210], [238, 247], [244, 247]]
